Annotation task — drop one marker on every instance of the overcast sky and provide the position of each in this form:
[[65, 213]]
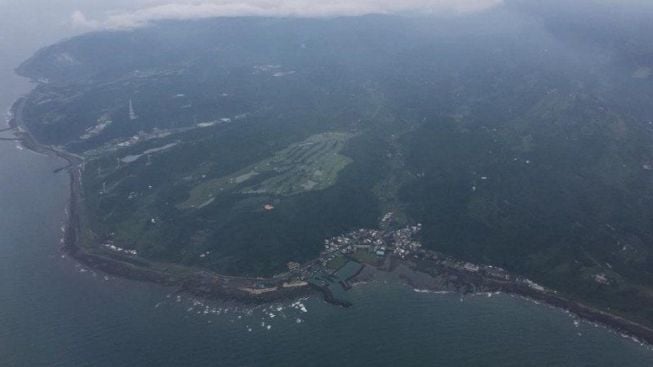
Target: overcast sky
[[144, 11]]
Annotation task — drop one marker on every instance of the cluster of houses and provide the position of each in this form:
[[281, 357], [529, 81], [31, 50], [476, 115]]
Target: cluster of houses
[[402, 244], [109, 245], [143, 136], [485, 270], [380, 242], [601, 278]]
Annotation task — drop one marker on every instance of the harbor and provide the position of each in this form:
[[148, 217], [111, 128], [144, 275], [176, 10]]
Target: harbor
[[334, 285]]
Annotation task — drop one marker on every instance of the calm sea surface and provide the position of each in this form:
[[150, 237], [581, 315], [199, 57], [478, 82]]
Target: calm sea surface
[[55, 313]]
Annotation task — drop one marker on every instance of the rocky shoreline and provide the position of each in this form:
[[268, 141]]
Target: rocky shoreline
[[421, 273], [413, 274]]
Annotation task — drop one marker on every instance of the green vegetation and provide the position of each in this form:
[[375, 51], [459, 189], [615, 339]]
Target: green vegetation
[[365, 256], [337, 262], [312, 164]]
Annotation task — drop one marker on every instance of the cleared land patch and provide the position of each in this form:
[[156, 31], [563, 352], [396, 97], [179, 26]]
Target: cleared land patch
[[310, 165]]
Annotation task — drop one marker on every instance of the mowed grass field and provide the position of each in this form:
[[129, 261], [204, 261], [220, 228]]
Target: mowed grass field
[[312, 164]]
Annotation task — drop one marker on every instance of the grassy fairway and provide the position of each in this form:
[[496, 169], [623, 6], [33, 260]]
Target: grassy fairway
[[312, 164]]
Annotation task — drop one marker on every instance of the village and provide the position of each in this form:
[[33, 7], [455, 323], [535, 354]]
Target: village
[[401, 243], [344, 257]]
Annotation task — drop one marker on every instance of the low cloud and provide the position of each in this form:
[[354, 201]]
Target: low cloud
[[155, 10], [79, 20]]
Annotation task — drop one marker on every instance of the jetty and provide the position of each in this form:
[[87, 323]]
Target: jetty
[[334, 285]]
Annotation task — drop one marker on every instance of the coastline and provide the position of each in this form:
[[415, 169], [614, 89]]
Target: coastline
[[638, 332], [192, 281], [424, 274]]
